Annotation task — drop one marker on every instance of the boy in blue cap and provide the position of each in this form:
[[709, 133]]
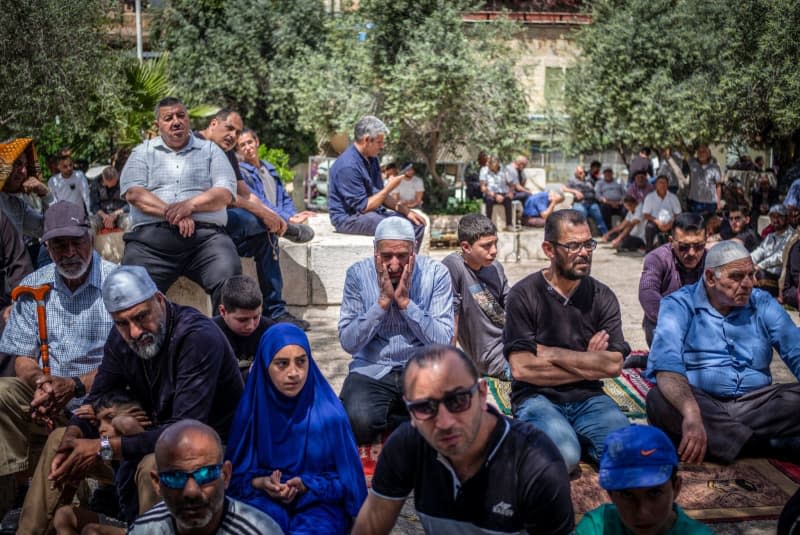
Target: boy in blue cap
[[639, 469]]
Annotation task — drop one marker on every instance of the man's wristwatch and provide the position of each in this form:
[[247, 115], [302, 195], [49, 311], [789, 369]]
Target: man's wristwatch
[[80, 388], [106, 451]]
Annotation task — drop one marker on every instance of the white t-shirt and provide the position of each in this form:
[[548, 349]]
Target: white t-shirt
[[664, 209], [407, 190], [638, 229]]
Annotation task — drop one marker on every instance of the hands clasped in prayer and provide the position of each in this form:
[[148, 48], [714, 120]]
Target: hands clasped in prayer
[[394, 280], [283, 492], [51, 395]]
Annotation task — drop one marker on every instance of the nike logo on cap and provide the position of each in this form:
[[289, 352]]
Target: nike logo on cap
[[647, 453]]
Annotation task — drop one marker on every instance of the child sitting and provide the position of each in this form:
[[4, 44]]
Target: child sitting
[[639, 469]]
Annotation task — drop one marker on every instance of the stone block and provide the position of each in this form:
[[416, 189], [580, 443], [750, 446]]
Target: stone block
[[328, 263], [296, 274]]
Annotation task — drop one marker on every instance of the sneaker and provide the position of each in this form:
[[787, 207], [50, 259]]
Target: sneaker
[[286, 317], [10, 521], [299, 233]]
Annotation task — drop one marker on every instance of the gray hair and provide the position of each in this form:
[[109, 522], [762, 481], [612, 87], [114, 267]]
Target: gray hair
[[369, 126]]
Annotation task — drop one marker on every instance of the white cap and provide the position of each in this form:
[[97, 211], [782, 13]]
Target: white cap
[[127, 286], [724, 253], [395, 228]]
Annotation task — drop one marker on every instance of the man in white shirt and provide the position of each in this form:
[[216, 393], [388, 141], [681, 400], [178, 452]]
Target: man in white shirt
[[659, 210]]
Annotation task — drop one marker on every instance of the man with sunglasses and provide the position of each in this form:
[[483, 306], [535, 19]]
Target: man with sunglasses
[[191, 478], [711, 359], [171, 359], [472, 470], [671, 266], [563, 334]]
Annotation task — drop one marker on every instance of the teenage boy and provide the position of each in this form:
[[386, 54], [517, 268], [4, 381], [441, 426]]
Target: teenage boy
[[240, 318], [479, 294], [629, 234], [639, 469]]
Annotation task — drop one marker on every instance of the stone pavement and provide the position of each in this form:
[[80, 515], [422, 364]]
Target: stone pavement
[[619, 271]]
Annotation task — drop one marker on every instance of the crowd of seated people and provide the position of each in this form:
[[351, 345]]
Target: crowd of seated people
[[227, 425]]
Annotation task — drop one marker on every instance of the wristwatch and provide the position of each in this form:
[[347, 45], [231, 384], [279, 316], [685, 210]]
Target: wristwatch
[[80, 388], [106, 451]]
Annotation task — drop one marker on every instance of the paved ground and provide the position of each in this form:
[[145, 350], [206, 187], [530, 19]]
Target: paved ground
[[620, 272]]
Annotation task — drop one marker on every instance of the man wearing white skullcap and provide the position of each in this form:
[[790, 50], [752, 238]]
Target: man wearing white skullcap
[[710, 360], [170, 358], [392, 304]]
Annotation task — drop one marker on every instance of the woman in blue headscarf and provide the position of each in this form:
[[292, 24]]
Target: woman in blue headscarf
[[291, 446]]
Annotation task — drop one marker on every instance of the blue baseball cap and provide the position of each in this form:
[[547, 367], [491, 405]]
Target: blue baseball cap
[[639, 456]]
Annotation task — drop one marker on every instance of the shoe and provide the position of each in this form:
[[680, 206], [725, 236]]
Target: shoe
[[10, 521], [299, 233], [286, 317]]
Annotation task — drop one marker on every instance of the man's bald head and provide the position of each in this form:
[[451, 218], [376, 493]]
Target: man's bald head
[[180, 434]]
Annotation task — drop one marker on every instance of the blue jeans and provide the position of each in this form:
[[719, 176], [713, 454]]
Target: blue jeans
[[252, 239], [592, 210], [567, 424], [703, 208]]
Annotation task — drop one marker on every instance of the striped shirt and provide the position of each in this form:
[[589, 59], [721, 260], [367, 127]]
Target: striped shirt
[[77, 322], [379, 339], [175, 176], [239, 519]]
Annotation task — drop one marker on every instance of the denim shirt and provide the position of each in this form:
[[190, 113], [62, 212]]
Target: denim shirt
[[726, 356]]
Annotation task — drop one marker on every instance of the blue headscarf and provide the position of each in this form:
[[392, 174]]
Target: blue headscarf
[[304, 435]]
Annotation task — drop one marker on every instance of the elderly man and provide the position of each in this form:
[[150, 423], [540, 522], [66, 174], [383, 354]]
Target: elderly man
[[171, 359], [472, 470], [659, 210], [191, 479], [563, 334], [711, 363], [358, 198], [253, 223], [21, 174], [514, 172], [539, 206], [178, 187], [585, 198], [671, 266], [768, 256], [705, 183], [78, 326], [392, 303]]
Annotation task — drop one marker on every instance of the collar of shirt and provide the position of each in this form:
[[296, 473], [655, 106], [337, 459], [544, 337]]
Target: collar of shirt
[[701, 302], [94, 278], [192, 144]]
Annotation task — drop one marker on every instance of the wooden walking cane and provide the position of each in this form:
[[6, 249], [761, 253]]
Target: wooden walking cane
[[38, 293]]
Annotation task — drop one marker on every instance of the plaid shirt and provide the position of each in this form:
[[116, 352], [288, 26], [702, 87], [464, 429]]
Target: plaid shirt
[[379, 339], [175, 176], [77, 322]]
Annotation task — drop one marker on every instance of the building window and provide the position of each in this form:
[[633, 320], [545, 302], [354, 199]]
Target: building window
[[554, 80]]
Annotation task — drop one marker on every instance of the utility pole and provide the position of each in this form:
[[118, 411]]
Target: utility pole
[[139, 53]]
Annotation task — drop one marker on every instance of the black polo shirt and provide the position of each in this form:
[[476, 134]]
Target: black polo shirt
[[523, 485], [537, 314], [244, 347]]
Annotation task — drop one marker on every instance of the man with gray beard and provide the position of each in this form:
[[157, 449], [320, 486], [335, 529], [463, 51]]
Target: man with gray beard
[[170, 358], [32, 401]]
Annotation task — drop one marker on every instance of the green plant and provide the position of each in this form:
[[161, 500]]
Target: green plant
[[280, 159]]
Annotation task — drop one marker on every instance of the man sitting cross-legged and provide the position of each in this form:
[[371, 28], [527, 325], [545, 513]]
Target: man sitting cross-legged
[[563, 334], [472, 470], [711, 358], [480, 288], [392, 303], [170, 358]]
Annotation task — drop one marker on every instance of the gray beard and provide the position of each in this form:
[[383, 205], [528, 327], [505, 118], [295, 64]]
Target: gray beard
[[150, 350]]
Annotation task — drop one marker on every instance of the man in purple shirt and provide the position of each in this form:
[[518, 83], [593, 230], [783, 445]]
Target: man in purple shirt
[[672, 266], [358, 199]]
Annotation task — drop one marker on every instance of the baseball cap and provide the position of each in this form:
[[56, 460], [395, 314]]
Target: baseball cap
[[406, 167], [65, 220], [638, 456]]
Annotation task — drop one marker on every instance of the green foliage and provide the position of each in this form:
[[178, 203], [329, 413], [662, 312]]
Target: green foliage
[[677, 72], [280, 159]]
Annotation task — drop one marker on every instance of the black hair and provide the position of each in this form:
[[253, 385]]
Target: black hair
[[743, 208], [223, 114], [248, 130], [689, 222], [112, 399], [241, 292], [167, 102], [646, 150], [473, 227], [427, 355], [552, 227], [595, 163]]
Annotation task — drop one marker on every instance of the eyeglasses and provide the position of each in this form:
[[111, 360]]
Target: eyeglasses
[[684, 247], [176, 479], [455, 402], [574, 247]]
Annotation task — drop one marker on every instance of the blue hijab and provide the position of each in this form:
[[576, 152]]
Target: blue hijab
[[307, 434]]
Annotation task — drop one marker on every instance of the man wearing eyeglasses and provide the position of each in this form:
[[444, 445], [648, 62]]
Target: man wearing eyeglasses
[[563, 334], [191, 478], [710, 360], [471, 469], [170, 358], [671, 266]]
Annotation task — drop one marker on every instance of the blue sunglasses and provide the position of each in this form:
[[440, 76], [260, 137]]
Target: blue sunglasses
[[176, 479]]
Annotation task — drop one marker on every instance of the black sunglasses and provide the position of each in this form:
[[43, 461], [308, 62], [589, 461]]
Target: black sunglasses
[[456, 402], [684, 247]]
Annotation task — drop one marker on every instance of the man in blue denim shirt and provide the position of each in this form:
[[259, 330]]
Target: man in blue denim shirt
[[710, 359]]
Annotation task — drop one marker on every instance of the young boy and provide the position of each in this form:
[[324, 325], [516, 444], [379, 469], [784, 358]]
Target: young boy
[[116, 414], [240, 318], [639, 469], [629, 234], [69, 184], [480, 288]]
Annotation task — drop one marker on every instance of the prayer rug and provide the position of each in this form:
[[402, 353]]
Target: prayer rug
[[749, 489]]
